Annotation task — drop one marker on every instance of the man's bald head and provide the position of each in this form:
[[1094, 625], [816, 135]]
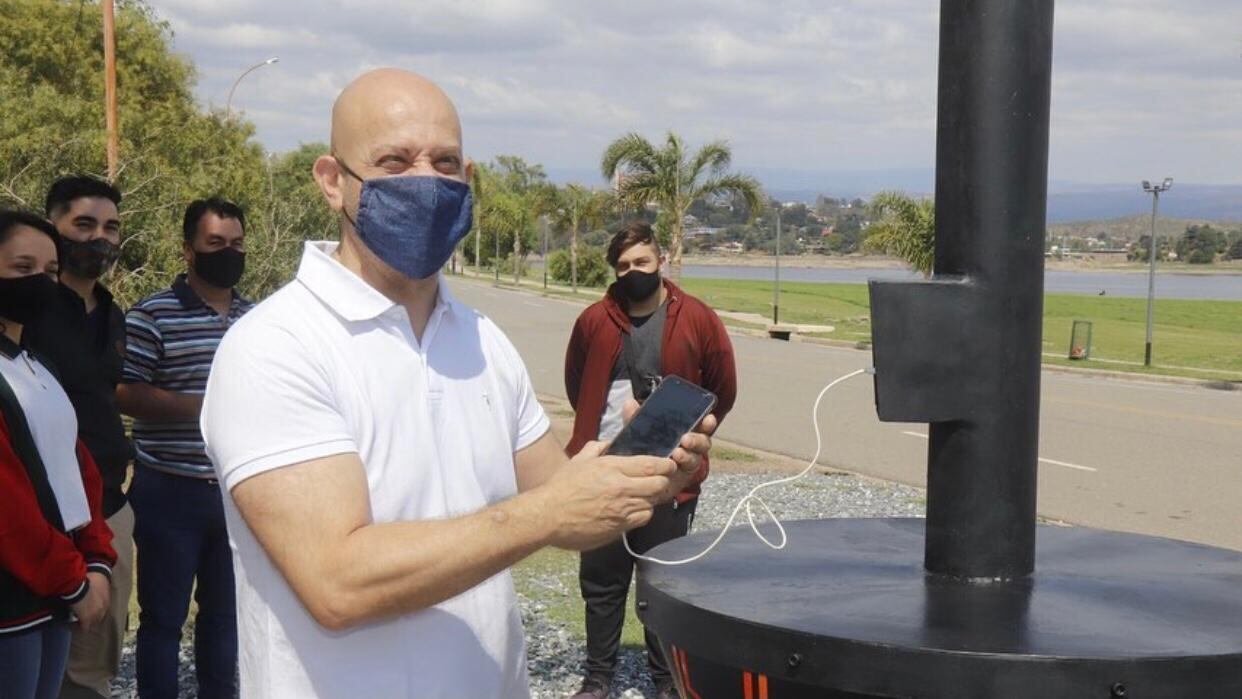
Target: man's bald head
[[388, 100], [389, 122]]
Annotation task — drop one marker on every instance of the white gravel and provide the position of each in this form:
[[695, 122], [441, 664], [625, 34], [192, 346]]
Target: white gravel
[[556, 653]]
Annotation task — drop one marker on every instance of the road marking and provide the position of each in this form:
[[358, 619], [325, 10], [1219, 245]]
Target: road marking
[[1054, 462], [1068, 465]]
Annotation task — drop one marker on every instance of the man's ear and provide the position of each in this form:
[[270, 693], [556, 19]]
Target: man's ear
[[328, 175], [469, 171], [187, 253]]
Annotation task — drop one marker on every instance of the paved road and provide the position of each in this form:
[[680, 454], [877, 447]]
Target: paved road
[[1135, 456]]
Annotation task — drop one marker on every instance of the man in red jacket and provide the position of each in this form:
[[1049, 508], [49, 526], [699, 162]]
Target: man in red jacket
[[644, 328]]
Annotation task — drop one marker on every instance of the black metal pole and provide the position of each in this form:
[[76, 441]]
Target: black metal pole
[[991, 198]]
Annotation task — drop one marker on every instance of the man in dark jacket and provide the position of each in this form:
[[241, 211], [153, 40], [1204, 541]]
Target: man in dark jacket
[[644, 329], [83, 336]]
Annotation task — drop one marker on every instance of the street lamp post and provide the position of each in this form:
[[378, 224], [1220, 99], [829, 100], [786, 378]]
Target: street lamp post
[[1155, 191], [228, 105], [545, 253], [110, 121], [776, 288]]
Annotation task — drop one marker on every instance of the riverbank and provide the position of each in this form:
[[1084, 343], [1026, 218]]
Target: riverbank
[[1086, 264]]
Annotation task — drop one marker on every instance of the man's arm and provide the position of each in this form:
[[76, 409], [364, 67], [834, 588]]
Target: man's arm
[[314, 521], [539, 462], [148, 403], [137, 395], [719, 367], [575, 359]]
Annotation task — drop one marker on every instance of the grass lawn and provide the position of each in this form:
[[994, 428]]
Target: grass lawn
[[1200, 339], [1196, 339]]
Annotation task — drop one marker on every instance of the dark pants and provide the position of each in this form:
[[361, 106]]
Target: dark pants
[[604, 576], [32, 663], [181, 538]]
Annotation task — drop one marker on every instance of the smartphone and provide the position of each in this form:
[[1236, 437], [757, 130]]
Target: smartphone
[[672, 410]]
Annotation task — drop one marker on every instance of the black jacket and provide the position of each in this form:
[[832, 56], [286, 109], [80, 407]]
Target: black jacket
[[87, 352]]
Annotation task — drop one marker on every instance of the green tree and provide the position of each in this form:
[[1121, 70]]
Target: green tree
[[171, 150], [592, 271], [1234, 251], [672, 178], [580, 206], [1200, 244], [904, 227]]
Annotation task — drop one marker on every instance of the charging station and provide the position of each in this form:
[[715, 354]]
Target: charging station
[[978, 600]]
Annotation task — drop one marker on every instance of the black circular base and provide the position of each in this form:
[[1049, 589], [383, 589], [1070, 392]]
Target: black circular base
[[846, 610]]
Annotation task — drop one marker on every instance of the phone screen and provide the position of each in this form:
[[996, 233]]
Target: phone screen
[[672, 410]]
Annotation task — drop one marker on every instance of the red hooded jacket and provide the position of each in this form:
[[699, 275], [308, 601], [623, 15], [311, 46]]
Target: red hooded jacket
[[695, 347]]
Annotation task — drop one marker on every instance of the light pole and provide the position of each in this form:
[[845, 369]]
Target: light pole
[[1155, 191], [545, 252], [228, 105], [776, 289], [110, 122]]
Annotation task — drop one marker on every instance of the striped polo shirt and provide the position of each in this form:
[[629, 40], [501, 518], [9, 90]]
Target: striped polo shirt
[[170, 341]]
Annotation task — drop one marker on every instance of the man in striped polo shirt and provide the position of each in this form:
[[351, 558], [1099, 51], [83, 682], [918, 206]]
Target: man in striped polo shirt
[[179, 528]]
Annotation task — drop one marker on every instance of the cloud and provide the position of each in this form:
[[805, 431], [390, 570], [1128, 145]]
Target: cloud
[[798, 84]]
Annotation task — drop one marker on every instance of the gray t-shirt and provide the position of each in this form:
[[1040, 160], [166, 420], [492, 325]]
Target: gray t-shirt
[[641, 351]]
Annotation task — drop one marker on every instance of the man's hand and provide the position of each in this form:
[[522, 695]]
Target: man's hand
[[90, 610], [688, 457], [596, 498]]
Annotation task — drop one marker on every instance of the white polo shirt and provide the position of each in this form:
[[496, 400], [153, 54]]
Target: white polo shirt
[[328, 365]]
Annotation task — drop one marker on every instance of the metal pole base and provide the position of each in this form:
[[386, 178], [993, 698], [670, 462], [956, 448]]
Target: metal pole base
[[847, 610]]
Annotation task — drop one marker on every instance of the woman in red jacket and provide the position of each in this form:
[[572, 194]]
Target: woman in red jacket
[[55, 547]]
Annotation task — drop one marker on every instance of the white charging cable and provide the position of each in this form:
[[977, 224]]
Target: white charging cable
[[753, 495]]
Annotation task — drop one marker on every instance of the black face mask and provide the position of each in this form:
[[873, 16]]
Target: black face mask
[[88, 260], [637, 285], [23, 299], [222, 268]]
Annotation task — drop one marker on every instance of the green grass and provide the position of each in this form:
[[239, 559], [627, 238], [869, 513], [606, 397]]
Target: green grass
[[722, 453], [843, 306], [551, 577], [1200, 339], [1196, 339]]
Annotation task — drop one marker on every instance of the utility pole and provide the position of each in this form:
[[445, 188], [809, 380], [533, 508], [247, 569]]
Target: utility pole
[[110, 122], [544, 222], [776, 288]]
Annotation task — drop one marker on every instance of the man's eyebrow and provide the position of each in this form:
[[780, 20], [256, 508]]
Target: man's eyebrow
[[86, 218]]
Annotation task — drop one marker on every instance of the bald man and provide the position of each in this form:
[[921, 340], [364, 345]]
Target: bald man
[[384, 456]]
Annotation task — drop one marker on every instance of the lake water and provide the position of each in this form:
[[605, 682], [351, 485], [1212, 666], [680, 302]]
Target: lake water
[[1224, 287]]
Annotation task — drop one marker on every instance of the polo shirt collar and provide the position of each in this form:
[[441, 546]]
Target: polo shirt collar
[[187, 297], [345, 293]]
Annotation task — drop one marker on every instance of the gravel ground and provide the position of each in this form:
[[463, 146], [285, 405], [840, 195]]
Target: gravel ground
[[555, 655]]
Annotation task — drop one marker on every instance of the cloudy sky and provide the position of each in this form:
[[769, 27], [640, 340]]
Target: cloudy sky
[[1141, 89]]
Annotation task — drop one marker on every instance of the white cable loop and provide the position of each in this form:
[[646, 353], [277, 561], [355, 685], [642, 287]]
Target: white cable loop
[[754, 496]]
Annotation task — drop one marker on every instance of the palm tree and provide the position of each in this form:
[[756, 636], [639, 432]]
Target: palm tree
[[905, 227], [580, 206], [672, 179]]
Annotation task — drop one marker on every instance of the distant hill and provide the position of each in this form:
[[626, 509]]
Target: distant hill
[[1067, 201], [1133, 227]]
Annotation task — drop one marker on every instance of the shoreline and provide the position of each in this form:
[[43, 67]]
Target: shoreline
[[1230, 268]]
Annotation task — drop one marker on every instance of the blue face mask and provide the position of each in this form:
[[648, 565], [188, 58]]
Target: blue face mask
[[412, 222]]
